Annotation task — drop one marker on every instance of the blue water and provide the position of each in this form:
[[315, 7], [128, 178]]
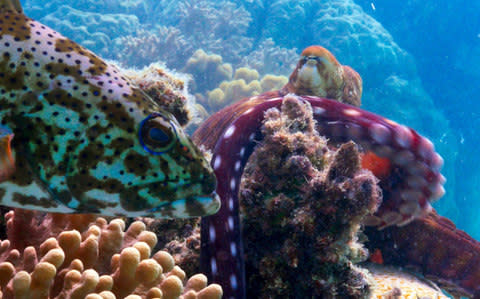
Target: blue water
[[419, 60]]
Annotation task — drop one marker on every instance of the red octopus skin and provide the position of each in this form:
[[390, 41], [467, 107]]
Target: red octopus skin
[[232, 134], [434, 247]]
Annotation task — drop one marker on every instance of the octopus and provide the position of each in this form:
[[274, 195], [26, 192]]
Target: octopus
[[77, 136], [405, 162]]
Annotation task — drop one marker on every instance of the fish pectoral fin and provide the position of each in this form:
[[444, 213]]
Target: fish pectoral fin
[[11, 5], [7, 161]]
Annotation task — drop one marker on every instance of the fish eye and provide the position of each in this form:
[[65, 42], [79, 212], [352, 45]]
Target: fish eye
[[157, 134]]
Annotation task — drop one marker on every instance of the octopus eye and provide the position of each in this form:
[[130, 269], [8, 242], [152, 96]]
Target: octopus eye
[[157, 135]]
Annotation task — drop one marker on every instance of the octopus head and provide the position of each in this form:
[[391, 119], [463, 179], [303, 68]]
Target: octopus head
[[318, 73]]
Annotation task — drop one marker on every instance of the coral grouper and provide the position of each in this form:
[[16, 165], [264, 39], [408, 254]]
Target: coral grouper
[[77, 137], [409, 183]]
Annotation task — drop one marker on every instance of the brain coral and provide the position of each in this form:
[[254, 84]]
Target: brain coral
[[81, 256], [246, 83]]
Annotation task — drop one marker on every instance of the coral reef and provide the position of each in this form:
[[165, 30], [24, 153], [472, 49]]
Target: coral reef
[[269, 58], [164, 43], [208, 70], [435, 248], [82, 256], [302, 207], [94, 31], [168, 89], [391, 283], [218, 27], [245, 83]]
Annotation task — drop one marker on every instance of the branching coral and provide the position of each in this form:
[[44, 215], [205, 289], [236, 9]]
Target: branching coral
[[217, 27], [269, 58], [101, 260], [163, 43]]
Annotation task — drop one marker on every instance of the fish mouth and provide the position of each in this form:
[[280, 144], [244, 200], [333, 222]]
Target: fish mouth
[[212, 203]]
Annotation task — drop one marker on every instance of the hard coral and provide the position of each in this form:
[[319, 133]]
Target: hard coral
[[92, 30], [216, 26], [164, 43], [302, 207], [208, 70], [269, 58], [101, 260], [246, 83]]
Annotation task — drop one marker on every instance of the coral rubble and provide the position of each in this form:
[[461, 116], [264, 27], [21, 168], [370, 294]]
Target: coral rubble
[[302, 207], [168, 89], [391, 283], [81, 258]]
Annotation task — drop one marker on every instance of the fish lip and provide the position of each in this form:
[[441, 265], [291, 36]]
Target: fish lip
[[213, 203], [216, 202]]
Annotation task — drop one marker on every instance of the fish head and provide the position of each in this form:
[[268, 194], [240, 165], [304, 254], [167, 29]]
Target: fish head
[[146, 167], [86, 139]]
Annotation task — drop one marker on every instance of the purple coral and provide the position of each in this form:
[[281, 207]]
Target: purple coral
[[302, 206]]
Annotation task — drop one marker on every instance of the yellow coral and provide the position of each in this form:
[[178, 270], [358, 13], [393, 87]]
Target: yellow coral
[[395, 283], [246, 83], [231, 91], [246, 74], [207, 70], [102, 261], [272, 82]]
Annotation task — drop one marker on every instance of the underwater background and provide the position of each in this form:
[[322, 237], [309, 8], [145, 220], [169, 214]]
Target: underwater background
[[418, 60]]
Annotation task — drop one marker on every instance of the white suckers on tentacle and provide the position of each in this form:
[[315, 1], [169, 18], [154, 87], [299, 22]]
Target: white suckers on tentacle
[[413, 183], [405, 162]]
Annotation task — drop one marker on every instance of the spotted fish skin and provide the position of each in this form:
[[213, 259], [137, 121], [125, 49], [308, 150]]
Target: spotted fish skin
[[87, 140]]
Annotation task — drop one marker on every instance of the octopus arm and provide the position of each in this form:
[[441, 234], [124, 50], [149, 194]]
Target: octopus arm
[[434, 247], [414, 180]]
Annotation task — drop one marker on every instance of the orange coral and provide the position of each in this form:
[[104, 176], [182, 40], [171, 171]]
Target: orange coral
[[100, 260]]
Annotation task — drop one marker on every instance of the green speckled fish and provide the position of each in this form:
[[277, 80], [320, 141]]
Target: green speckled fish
[[77, 137]]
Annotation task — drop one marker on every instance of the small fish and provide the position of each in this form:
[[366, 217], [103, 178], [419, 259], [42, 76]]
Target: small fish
[[376, 257], [78, 137]]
